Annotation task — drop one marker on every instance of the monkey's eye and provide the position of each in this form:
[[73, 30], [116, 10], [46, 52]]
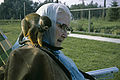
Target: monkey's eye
[[63, 26]]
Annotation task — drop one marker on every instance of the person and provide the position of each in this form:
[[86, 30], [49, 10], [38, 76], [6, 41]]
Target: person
[[48, 62]]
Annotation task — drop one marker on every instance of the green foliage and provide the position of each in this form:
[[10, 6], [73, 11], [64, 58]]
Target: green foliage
[[79, 25], [84, 14], [83, 6], [92, 55], [113, 13], [15, 8], [98, 25], [11, 29]]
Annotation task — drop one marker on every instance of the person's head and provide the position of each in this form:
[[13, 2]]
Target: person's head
[[60, 17]]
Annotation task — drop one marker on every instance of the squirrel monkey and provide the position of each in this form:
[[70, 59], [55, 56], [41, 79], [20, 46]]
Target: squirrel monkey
[[33, 26]]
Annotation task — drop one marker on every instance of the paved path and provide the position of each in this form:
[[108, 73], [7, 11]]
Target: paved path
[[95, 38]]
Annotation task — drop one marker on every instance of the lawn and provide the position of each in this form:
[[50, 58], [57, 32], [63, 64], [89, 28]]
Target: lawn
[[92, 55], [11, 29], [87, 54]]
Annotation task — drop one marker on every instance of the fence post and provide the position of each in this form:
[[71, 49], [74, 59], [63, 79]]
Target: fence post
[[89, 22], [81, 14]]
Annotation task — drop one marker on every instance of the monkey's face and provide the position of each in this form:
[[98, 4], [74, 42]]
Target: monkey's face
[[45, 23], [42, 25]]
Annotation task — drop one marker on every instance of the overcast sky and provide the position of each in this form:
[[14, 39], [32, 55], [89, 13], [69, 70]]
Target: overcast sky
[[1, 1], [70, 2]]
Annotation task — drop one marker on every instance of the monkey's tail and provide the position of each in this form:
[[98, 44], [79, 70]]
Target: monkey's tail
[[21, 41]]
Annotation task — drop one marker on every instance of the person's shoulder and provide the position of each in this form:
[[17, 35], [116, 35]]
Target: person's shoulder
[[29, 51]]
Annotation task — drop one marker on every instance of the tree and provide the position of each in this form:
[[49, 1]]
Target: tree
[[15, 8], [104, 11], [35, 6], [104, 3], [113, 13], [84, 14]]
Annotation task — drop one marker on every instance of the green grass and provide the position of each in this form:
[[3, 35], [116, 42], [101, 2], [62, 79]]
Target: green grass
[[92, 55], [10, 29], [87, 54]]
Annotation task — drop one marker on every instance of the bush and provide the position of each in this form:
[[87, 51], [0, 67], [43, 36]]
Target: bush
[[79, 28], [116, 32]]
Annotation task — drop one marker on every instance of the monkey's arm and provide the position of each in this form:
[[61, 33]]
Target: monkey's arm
[[25, 27], [32, 34], [39, 38]]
